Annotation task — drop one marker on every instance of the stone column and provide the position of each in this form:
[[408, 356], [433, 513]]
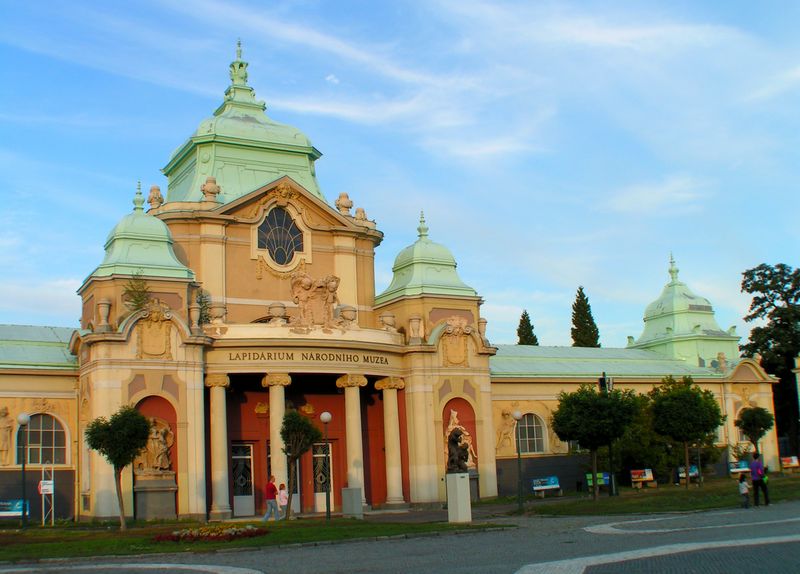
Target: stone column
[[391, 433], [277, 408], [355, 449], [218, 420]]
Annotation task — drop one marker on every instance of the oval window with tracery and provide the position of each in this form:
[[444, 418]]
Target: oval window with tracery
[[280, 236]]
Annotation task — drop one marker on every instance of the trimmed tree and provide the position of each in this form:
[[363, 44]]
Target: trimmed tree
[[685, 413], [776, 299], [119, 439], [136, 292], [584, 329], [298, 434], [525, 334], [594, 419], [754, 422]]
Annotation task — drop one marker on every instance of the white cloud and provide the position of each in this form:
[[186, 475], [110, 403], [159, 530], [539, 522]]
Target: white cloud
[[332, 79], [52, 300], [777, 85], [678, 194]]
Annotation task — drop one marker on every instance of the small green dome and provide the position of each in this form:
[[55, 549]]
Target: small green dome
[[676, 298], [141, 243], [425, 267]]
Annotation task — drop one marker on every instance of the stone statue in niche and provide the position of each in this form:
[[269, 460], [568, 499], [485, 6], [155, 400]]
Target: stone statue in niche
[[156, 456], [6, 428], [505, 435], [457, 452], [465, 437], [316, 302]]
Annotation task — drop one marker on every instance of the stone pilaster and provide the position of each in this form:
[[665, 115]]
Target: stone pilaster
[[276, 382], [355, 449], [220, 490], [391, 432]]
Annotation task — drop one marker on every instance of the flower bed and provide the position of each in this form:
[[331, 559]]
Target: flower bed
[[211, 533]]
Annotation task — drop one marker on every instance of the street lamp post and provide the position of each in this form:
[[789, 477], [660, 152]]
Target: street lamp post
[[23, 419], [326, 417], [517, 417]]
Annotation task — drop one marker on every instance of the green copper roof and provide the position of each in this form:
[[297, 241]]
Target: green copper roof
[[513, 361], [424, 268], [141, 243], [30, 347], [241, 147], [682, 324]]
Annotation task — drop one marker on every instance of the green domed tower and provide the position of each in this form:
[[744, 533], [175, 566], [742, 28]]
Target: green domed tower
[[241, 148], [681, 325]]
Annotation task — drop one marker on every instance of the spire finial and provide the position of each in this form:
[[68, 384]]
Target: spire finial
[[239, 67], [422, 229], [673, 270], [138, 199], [239, 49]]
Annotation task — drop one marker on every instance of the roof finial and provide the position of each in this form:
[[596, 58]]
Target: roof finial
[[239, 67], [138, 199], [239, 49], [422, 229], [673, 271]]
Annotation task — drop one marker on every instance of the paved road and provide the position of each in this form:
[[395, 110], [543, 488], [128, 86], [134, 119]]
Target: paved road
[[703, 542]]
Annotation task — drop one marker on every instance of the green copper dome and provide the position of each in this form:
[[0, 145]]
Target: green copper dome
[[682, 324], [241, 147], [141, 243], [424, 268]]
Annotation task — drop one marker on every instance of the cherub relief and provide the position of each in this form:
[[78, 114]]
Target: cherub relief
[[506, 432]]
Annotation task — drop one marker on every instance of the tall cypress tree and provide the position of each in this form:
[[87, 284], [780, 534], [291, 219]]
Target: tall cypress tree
[[584, 329], [525, 330]]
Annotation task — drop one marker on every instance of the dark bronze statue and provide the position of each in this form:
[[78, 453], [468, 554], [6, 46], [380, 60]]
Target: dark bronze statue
[[457, 452]]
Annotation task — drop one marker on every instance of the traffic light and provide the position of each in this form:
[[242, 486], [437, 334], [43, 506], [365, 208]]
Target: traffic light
[[603, 383]]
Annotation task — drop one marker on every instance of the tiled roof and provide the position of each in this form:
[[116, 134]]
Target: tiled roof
[[514, 361], [28, 346]]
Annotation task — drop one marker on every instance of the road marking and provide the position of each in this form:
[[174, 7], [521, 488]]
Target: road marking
[[611, 527], [578, 565], [212, 569]]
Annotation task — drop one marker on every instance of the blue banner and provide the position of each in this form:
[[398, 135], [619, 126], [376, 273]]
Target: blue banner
[[13, 507]]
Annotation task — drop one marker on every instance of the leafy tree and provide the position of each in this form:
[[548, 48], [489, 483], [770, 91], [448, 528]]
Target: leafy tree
[[119, 439], [685, 413], [754, 422], [594, 419], [776, 299], [136, 292], [525, 330], [203, 299], [298, 434], [584, 329]]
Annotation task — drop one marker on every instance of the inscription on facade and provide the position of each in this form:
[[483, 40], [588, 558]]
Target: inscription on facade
[[315, 356]]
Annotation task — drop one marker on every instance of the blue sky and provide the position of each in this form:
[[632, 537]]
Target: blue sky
[[550, 144]]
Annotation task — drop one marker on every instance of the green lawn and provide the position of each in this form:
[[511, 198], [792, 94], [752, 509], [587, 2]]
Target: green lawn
[[715, 493], [71, 540]]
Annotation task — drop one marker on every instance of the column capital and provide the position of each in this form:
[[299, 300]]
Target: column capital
[[276, 379], [217, 380], [390, 383], [351, 381]]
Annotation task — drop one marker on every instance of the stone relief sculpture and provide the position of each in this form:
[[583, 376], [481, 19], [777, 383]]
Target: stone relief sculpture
[[6, 428], [155, 458], [154, 331], [317, 302], [454, 341], [457, 452], [465, 438], [505, 434]]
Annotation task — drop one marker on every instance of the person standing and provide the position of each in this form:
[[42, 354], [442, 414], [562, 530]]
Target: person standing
[[270, 494], [759, 482], [283, 499], [744, 490]]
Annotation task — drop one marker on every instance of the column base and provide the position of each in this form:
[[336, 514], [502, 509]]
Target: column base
[[219, 514]]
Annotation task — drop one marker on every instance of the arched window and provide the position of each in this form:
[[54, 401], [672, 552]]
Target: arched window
[[531, 434], [46, 441], [280, 236]]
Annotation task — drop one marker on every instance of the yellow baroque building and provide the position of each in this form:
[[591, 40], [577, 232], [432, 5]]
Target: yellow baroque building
[[243, 293]]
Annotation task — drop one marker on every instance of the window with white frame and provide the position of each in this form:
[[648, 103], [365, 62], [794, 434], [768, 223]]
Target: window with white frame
[[45, 441], [531, 434]]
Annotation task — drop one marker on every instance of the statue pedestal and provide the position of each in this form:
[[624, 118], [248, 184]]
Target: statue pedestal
[[459, 507], [351, 503], [155, 496]]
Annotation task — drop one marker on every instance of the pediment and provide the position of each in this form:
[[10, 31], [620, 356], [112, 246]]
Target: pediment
[[749, 371]]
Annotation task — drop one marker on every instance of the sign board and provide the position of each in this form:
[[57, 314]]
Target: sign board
[[644, 475], [45, 487], [738, 467], [693, 472], [13, 507], [789, 462], [545, 483], [603, 479]]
